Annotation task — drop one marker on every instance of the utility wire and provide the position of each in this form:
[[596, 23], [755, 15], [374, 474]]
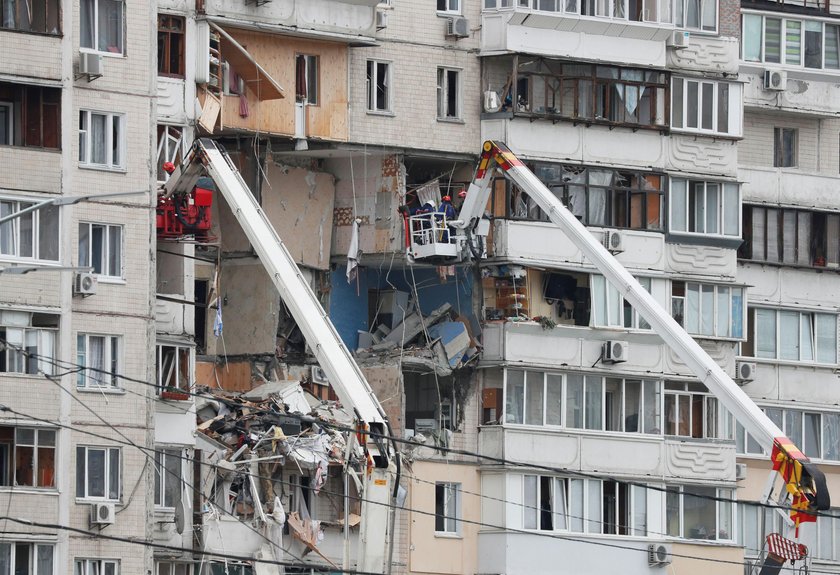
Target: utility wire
[[461, 452]]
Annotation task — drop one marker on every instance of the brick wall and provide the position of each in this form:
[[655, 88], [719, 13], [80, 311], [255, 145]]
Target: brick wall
[[730, 18]]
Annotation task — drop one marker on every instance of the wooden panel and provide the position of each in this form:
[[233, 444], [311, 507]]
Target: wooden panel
[[235, 376]]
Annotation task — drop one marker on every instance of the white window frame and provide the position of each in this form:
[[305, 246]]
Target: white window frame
[[680, 207], [10, 129], [451, 509], [372, 81], [443, 112], [37, 445], [86, 141], [171, 147], [783, 28], [734, 116], [175, 367], [97, 566], [173, 568], [164, 476], [105, 273], [112, 358], [12, 229], [724, 497], [312, 75], [610, 309], [778, 335], [456, 10], [109, 453], [17, 329], [700, 29], [745, 444], [718, 331], [32, 559], [95, 31]]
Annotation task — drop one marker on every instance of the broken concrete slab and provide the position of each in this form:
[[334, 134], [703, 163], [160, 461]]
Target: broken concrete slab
[[455, 338], [414, 324]]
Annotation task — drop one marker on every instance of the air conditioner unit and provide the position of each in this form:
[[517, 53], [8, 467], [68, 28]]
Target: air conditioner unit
[[84, 284], [740, 471], [659, 554], [381, 20], [775, 80], [615, 351], [613, 241], [458, 28], [744, 371], [319, 376], [102, 514], [90, 65], [679, 39]]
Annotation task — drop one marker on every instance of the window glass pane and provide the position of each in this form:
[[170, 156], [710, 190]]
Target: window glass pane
[[678, 205], [826, 338], [692, 312], [692, 104], [723, 312], [44, 559], [813, 427], [793, 426], [772, 40], [789, 335], [765, 333], [593, 507], [534, 397], [707, 308], [96, 472], [554, 399], [515, 396], [751, 40], [632, 405], [99, 139], [677, 100], [80, 472], [831, 437], [599, 301], [172, 480], [559, 501], [832, 48], [731, 213], [699, 512], [806, 337], [574, 401], [708, 106], [723, 108], [672, 512], [594, 398], [803, 239], [724, 526], [110, 26], [710, 15], [97, 249], [651, 407], [793, 42], [813, 44], [613, 404], [114, 474], [114, 250], [530, 503], [88, 15], [576, 505], [48, 218], [639, 495]]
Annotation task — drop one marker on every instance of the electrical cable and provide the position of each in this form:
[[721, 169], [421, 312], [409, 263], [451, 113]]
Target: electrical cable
[[461, 452]]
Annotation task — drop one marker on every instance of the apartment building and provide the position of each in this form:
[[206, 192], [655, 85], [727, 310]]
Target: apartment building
[[788, 163], [77, 94]]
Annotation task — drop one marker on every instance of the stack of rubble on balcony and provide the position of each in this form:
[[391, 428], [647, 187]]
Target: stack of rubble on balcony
[[268, 450], [440, 341]]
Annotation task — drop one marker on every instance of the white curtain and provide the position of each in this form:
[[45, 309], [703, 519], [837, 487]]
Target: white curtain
[[96, 360], [88, 19]]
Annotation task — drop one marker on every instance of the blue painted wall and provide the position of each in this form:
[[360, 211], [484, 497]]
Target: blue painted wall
[[348, 311]]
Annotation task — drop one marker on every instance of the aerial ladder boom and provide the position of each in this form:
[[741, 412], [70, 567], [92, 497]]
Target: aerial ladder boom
[[804, 481], [333, 356]]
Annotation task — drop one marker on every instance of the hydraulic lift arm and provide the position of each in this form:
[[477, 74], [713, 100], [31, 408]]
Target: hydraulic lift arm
[[333, 356], [803, 480]]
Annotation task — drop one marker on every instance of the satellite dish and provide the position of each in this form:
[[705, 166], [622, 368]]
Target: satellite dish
[[179, 517]]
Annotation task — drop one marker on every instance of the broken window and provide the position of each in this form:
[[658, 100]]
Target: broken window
[[708, 208], [448, 508], [706, 309], [569, 294], [378, 86], [690, 411], [448, 94], [167, 477], [100, 247], [174, 367], [796, 237], [698, 512], [601, 94], [98, 473], [792, 335], [24, 558], [101, 139], [102, 26], [706, 106], [429, 403], [170, 148], [28, 342], [30, 116], [306, 79], [785, 142], [98, 357], [170, 40], [42, 16], [598, 197], [27, 457]]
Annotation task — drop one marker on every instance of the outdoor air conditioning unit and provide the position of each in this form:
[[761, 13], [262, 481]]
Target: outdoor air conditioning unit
[[615, 351], [381, 20], [775, 80], [613, 241], [458, 28], [90, 65], [679, 39], [319, 376], [740, 471], [84, 284], [102, 514], [659, 554], [744, 372]]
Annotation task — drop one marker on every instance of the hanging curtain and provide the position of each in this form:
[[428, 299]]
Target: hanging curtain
[[96, 360]]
